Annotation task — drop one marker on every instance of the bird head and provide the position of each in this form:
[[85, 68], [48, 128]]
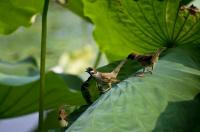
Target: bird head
[[132, 56], [91, 71]]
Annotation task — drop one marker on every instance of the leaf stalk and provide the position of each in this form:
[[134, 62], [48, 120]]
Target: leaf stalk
[[42, 65]]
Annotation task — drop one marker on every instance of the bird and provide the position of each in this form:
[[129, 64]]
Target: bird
[[148, 60], [62, 117], [193, 10], [105, 79]]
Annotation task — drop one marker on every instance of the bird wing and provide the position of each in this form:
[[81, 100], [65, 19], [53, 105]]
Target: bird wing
[[144, 58], [108, 77]]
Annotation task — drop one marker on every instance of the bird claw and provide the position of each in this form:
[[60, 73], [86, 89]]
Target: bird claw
[[140, 74], [105, 90], [150, 72]]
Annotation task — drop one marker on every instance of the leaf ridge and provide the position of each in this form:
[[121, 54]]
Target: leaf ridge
[[165, 18], [182, 27], [157, 34], [17, 100], [5, 96], [139, 26], [174, 26], [185, 37], [157, 20]]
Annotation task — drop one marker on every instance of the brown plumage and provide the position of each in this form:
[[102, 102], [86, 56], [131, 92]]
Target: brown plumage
[[62, 117], [105, 78], [183, 7], [148, 60], [193, 10]]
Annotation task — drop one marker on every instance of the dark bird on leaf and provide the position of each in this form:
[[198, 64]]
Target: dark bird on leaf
[[148, 60], [105, 78]]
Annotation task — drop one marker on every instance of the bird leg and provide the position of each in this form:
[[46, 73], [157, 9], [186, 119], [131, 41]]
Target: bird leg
[[150, 70], [109, 85], [141, 74], [103, 89], [152, 67], [144, 69], [100, 88]]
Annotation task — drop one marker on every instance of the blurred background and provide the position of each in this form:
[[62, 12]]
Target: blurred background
[[70, 49]]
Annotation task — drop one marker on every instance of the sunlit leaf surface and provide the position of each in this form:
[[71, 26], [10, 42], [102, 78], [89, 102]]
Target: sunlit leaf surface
[[16, 13], [140, 26]]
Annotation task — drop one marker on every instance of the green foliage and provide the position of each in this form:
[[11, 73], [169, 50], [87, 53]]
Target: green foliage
[[164, 101], [140, 26], [15, 13], [76, 6], [25, 41], [20, 82], [19, 92], [186, 2], [26, 67]]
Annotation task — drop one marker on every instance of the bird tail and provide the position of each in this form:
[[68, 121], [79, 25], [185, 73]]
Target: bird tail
[[159, 51], [117, 69], [156, 55], [132, 56]]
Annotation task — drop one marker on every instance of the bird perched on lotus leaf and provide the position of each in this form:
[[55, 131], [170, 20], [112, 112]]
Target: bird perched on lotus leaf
[[105, 79], [148, 60]]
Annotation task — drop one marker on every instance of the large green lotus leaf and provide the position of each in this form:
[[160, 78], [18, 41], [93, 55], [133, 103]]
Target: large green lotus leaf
[[19, 94], [26, 67], [15, 13], [61, 42], [76, 6], [186, 2], [166, 101], [140, 26]]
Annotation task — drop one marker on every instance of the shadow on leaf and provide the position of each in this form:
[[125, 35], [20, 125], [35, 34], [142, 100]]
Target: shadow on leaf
[[180, 117]]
